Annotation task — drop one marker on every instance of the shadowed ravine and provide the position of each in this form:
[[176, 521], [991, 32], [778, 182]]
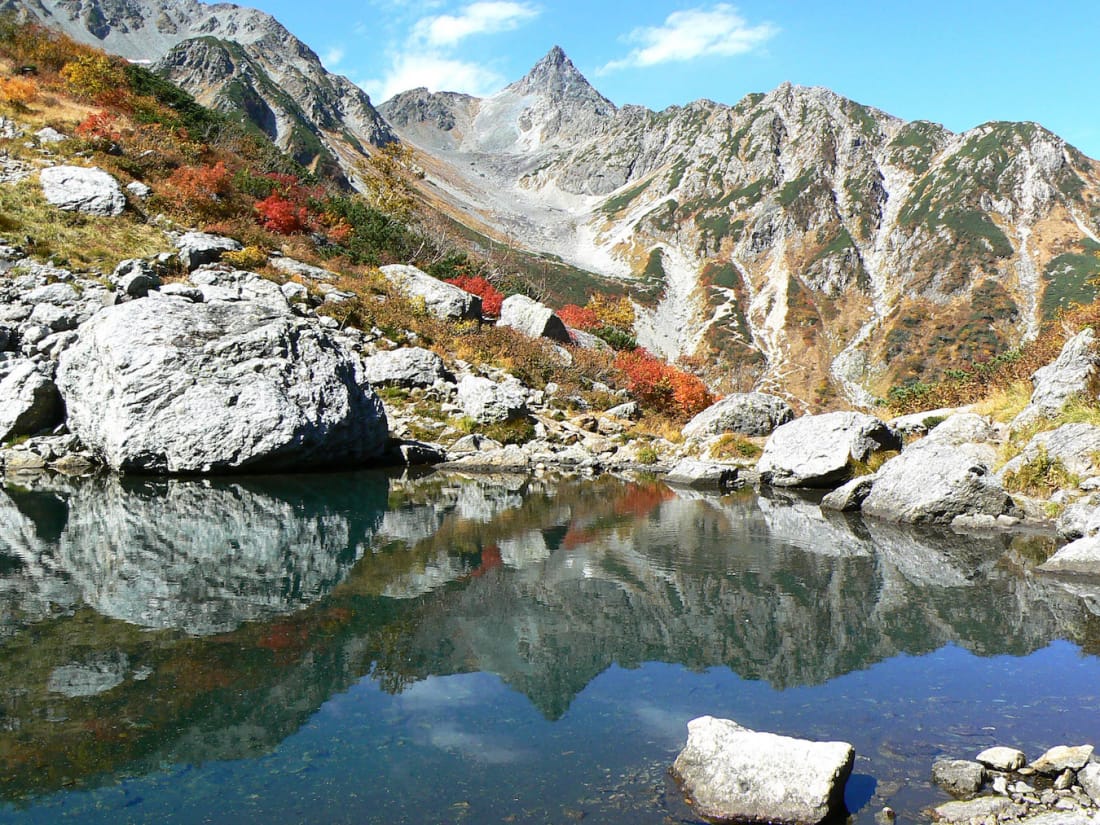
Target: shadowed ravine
[[151, 626]]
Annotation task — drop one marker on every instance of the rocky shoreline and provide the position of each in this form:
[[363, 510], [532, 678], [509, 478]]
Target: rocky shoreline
[[223, 370]]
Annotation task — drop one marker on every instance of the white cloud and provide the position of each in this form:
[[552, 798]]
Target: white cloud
[[487, 17], [332, 57], [428, 54], [437, 72], [693, 33]]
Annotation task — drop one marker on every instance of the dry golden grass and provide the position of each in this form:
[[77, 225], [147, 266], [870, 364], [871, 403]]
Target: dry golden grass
[[72, 239], [1005, 403]]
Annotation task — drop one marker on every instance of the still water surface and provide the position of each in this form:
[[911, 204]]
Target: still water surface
[[363, 649]]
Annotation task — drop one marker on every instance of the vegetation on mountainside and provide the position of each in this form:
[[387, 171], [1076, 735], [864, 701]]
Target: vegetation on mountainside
[[210, 171], [1003, 377]]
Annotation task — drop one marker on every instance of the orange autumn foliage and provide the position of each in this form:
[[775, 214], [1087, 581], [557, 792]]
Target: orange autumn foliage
[[662, 386]]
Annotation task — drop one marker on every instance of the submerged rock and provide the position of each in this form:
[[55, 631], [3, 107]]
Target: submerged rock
[[175, 387], [733, 773], [958, 776]]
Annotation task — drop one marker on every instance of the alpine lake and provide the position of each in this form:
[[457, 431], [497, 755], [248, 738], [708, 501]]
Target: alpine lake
[[371, 648]]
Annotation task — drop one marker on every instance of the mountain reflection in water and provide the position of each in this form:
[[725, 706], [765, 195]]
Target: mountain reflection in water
[[150, 624]]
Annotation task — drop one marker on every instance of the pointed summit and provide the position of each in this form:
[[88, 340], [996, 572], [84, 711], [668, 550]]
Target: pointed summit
[[557, 78]]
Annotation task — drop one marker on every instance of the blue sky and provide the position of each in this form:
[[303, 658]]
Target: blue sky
[[959, 63]]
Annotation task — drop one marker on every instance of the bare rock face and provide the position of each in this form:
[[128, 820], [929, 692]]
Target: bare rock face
[[748, 413], [933, 483], [83, 189], [28, 399], [533, 319], [199, 248], [733, 773], [164, 386], [817, 450], [1072, 374]]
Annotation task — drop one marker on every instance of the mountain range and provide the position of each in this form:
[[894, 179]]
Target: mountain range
[[796, 241]]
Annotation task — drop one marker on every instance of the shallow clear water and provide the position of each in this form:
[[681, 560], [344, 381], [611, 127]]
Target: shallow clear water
[[357, 649]]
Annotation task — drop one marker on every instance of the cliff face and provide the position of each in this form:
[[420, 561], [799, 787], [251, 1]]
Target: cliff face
[[236, 60], [797, 239]]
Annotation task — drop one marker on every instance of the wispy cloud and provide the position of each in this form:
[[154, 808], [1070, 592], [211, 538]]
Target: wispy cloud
[[428, 56], [436, 72], [490, 17], [331, 59], [691, 34]]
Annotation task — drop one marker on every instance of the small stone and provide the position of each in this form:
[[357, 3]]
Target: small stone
[[958, 776], [1061, 757], [1065, 780], [1021, 788], [1002, 759], [1089, 779], [886, 816], [1000, 785], [1065, 805]]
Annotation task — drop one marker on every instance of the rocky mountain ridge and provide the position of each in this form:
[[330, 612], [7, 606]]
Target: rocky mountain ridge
[[801, 240], [233, 59]]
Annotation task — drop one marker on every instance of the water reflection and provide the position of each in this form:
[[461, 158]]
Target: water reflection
[[152, 623]]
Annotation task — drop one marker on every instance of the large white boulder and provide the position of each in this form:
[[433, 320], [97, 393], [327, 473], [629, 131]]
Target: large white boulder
[[733, 773], [441, 299], [533, 319], [82, 189], [160, 386], [933, 482], [748, 413], [818, 450], [405, 367]]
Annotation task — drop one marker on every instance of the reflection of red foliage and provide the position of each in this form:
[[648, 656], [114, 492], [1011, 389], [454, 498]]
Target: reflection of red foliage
[[282, 637], [640, 500], [490, 558], [491, 297], [576, 536]]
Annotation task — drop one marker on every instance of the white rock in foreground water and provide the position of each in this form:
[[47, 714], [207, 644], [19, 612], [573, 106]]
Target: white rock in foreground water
[[175, 387], [732, 773]]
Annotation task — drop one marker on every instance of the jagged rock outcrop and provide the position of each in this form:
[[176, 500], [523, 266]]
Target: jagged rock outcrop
[[200, 248], [28, 399], [1071, 375], [798, 238], [166, 386]]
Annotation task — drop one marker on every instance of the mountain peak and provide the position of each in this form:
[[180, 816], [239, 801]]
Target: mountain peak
[[556, 77]]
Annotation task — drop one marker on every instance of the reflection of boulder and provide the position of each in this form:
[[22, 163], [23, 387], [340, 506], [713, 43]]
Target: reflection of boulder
[[204, 557]]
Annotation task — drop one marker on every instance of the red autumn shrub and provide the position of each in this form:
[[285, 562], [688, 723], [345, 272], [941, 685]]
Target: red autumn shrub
[[577, 317], [661, 386], [98, 127], [277, 214], [491, 297], [203, 189]]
